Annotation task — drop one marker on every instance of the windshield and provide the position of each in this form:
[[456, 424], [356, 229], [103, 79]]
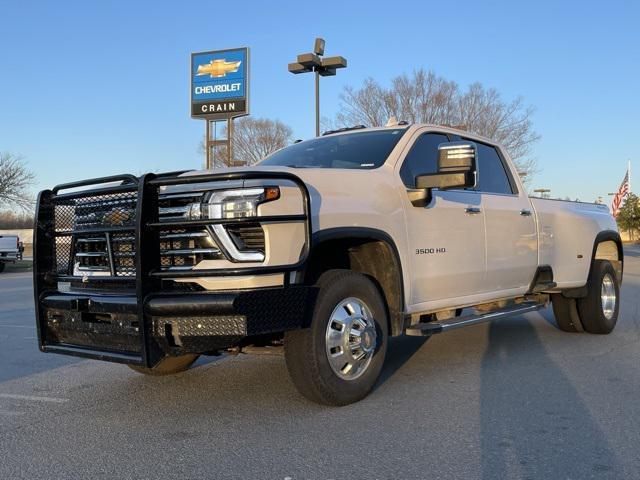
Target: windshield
[[362, 150]]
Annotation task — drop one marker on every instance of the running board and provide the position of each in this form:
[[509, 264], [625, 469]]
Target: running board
[[431, 328]]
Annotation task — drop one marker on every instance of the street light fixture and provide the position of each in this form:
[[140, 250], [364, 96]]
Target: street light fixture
[[326, 67], [544, 192]]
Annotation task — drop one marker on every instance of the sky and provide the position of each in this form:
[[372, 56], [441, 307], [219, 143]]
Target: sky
[[90, 89]]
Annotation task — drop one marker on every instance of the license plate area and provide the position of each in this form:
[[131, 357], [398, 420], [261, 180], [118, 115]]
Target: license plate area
[[111, 331], [99, 318]]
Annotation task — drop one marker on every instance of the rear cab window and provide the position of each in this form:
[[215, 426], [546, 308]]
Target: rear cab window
[[493, 176]]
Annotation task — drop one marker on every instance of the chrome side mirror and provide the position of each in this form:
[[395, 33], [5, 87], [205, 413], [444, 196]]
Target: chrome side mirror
[[456, 167]]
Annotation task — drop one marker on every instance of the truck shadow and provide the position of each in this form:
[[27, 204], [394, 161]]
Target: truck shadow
[[534, 423], [399, 352]]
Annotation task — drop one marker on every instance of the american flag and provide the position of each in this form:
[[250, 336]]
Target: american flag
[[623, 191]]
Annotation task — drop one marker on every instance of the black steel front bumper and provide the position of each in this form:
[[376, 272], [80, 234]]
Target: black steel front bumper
[[145, 323], [107, 327]]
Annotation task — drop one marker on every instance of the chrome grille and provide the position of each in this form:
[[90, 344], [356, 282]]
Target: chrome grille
[[182, 248], [92, 254]]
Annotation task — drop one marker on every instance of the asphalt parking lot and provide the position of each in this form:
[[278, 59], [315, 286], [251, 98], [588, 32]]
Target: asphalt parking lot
[[514, 399]]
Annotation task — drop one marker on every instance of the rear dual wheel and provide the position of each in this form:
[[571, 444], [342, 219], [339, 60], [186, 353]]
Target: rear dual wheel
[[598, 311]]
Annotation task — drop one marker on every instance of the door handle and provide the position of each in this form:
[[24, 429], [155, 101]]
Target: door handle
[[472, 210], [525, 213]]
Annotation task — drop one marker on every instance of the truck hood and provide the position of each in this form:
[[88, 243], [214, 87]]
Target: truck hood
[[254, 168], [339, 190], [309, 175]]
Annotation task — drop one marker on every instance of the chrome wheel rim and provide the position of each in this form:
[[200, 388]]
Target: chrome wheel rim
[[608, 296], [351, 338]]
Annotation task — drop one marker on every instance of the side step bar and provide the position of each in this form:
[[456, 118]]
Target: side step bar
[[543, 287], [431, 328]]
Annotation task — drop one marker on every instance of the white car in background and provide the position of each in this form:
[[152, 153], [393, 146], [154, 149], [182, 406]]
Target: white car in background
[[11, 249]]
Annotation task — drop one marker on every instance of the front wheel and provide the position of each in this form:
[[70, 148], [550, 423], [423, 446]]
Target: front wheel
[[338, 359], [2, 267], [167, 366]]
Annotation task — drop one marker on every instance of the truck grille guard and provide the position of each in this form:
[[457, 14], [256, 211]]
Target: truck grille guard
[[114, 253], [129, 241]]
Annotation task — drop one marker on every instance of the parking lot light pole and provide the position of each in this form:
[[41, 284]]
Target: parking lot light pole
[[544, 192], [317, 75], [312, 62]]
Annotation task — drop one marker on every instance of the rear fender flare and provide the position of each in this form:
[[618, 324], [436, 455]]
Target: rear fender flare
[[604, 236]]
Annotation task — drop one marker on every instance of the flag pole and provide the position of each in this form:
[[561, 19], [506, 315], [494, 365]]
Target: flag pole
[[629, 170]]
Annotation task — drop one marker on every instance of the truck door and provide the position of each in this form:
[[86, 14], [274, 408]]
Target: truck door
[[446, 237], [512, 245]]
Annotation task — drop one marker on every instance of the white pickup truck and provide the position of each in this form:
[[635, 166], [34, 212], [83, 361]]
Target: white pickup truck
[[10, 250], [328, 247]]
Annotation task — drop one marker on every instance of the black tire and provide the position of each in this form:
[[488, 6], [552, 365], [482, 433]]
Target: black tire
[[565, 310], [2, 264], [167, 366], [590, 307], [306, 350]]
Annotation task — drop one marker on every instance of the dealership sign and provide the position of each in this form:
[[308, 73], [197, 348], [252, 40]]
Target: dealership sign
[[220, 83]]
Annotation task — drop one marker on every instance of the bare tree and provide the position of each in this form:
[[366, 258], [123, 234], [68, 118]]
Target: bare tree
[[253, 139], [425, 97], [15, 180], [13, 220]]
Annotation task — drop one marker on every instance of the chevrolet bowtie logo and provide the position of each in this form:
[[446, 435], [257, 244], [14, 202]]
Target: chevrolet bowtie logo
[[218, 68], [117, 217]]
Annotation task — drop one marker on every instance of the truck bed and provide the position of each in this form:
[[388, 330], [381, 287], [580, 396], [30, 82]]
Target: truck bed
[[566, 233]]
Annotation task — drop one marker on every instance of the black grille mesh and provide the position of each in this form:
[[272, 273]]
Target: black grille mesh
[[98, 211], [78, 223], [63, 254]]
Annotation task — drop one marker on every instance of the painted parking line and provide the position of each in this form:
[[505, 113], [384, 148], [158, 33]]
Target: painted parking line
[[31, 398], [13, 276], [17, 326], [10, 413]]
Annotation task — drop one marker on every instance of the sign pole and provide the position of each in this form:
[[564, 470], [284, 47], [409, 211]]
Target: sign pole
[[207, 145], [230, 141]]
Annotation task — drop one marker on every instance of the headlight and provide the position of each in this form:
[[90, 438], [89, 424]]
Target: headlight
[[237, 203]]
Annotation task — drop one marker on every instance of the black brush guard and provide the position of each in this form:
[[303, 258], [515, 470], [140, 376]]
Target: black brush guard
[[263, 310]]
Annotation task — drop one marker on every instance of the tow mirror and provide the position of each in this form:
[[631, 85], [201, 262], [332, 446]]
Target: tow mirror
[[456, 167]]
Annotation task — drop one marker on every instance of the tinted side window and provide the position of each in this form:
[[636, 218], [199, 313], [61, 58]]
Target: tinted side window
[[422, 158], [492, 176]]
